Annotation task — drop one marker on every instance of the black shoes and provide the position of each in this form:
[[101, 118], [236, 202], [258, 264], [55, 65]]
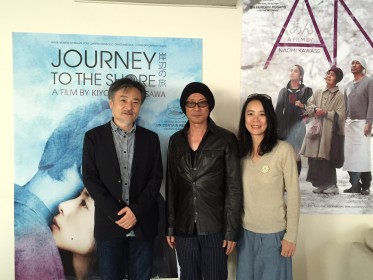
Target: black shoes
[[351, 190], [361, 190], [365, 192]]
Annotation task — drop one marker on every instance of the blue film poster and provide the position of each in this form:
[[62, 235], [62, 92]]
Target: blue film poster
[[60, 91]]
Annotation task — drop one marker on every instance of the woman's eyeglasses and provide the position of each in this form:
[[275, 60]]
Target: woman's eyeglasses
[[260, 94], [201, 104]]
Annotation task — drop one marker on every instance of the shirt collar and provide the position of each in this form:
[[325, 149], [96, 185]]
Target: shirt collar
[[116, 128]]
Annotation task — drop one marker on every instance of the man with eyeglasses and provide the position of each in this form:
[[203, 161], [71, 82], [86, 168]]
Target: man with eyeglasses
[[203, 189], [122, 170]]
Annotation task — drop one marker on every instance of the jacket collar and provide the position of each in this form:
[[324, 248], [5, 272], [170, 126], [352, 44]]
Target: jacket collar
[[332, 90], [300, 89]]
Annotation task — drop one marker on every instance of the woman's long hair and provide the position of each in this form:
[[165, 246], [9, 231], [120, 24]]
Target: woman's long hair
[[270, 135], [92, 271]]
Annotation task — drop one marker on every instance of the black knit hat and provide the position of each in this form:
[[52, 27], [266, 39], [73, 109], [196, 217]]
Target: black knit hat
[[338, 72], [197, 87]]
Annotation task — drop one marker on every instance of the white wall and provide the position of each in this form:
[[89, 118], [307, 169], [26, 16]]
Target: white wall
[[323, 242]]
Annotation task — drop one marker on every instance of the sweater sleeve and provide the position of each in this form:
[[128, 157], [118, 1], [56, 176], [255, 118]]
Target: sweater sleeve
[[291, 181], [369, 116]]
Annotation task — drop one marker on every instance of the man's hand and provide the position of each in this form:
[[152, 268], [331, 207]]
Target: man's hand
[[230, 245], [171, 241], [128, 220], [287, 248], [367, 129]]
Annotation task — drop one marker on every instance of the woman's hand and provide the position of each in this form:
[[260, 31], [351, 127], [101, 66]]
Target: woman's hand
[[320, 112], [287, 248], [299, 104]]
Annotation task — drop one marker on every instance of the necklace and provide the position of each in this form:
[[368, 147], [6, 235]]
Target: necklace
[[355, 82]]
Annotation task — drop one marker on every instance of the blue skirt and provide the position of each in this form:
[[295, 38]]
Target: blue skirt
[[259, 257]]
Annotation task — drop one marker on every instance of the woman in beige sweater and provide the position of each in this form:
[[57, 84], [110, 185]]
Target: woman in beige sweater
[[270, 223]]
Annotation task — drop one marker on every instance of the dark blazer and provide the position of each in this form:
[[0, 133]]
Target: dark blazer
[[101, 176]]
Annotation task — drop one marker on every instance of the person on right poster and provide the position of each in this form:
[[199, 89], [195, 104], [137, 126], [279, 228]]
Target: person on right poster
[[322, 106], [359, 101], [290, 110]]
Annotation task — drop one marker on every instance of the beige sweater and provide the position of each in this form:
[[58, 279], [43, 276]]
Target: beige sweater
[[265, 183]]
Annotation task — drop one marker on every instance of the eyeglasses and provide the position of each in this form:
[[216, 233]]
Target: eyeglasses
[[259, 94], [201, 104]]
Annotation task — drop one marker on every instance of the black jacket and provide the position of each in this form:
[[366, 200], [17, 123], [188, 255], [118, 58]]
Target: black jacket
[[208, 193], [101, 177], [288, 115]]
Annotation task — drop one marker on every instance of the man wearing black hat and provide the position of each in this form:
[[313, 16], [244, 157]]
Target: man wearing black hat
[[359, 96], [203, 189]]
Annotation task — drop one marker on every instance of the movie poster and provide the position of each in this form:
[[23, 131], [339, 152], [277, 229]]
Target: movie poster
[[61, 86], [278, 34]]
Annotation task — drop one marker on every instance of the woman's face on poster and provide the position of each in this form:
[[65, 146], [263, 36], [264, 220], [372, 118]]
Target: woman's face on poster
[[72, 228], [294, 74], [330, 79]]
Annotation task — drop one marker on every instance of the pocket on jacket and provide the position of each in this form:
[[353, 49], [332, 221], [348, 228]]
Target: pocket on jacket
[[212, 159], [212, 153]]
